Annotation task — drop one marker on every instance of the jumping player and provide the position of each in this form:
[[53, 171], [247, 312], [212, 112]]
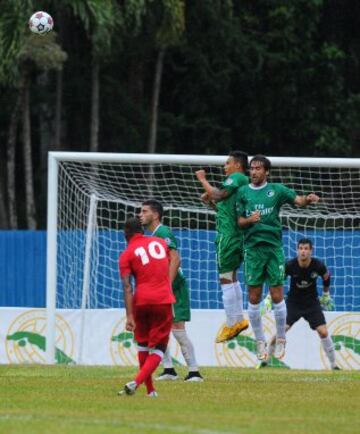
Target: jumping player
[[229, 240]]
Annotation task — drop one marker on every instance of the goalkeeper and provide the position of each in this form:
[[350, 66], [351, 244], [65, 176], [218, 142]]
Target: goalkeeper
[[303, 300]]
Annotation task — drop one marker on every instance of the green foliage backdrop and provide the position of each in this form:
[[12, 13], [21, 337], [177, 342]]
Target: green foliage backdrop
[[280, 77]]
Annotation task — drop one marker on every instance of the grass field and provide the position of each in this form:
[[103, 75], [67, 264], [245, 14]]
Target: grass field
[[43, 399]]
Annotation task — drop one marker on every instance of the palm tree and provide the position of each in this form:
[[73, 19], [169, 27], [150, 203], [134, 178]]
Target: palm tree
[[23, 53], [150, 27], [100, 19], [13, 16], [168, 33]]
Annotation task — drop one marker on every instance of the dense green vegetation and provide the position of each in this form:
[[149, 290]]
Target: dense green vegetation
[[281, 77]]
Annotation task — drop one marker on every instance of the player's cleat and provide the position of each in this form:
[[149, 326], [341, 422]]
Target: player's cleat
[[194, 376], [240, 326], [168, 374], [262, 364], [279, 351], [261, 350], [227, 333], [336, 368], [152, 394], [129, 389]]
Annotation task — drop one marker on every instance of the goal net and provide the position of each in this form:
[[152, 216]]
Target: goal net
[[91, 195]]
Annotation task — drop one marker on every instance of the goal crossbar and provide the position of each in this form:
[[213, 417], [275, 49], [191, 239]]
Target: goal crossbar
[[339, 212]]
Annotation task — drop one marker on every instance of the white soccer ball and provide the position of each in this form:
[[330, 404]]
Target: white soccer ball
[[41, 22]]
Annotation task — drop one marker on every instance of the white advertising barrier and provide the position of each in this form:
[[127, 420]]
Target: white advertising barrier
[[106, 342]]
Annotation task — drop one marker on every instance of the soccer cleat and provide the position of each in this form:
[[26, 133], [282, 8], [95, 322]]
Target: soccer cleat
[[129, 389], [336, 368], [152, 394], [279, 351], [168, 374], [262, 364], [194, 376], [227, 333], [261, 350]]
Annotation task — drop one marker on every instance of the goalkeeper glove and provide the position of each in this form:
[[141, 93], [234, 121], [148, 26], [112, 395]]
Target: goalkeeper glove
[[326, 302], [266, 305]]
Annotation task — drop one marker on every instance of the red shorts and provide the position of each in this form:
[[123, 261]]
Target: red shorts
[[153, 324]]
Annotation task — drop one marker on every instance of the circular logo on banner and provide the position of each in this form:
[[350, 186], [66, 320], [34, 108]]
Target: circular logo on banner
[[26, 341], [345, 333], [122, 345], [123, 348], [241, 351]]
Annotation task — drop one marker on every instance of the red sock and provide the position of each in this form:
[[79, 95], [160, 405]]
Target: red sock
[[142, 356], [151, 363]]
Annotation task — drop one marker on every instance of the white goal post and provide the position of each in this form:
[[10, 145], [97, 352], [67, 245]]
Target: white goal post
[[91, 194]]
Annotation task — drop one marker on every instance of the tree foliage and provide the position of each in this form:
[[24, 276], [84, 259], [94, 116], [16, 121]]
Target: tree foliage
[[279, 77]]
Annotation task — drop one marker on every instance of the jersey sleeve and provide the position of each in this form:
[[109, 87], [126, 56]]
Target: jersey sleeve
[[288, 195], [321, 269], [233, 182], [169, 238], [124, 264]]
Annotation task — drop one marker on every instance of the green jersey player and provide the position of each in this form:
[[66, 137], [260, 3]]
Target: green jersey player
[[258, 207], [229, 240], [150, 216]]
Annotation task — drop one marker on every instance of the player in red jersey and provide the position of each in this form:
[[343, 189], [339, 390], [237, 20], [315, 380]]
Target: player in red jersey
[[149, 308]]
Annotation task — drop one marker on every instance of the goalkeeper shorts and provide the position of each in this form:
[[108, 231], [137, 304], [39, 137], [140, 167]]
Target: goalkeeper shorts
[[312, 314]]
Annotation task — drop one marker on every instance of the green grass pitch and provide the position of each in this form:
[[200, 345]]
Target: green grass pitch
[[45, 399]]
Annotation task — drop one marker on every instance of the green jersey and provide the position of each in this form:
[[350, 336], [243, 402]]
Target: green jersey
[[226, 221], [267, 199], [165, 232]]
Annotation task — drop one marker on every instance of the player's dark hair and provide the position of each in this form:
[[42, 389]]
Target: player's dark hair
[[263, 160], [156, 206], [241, 157], [305, 241], [132, 226]]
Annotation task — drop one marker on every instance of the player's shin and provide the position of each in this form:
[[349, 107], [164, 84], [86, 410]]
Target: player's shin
[[256, 321], [167, 360], [152, 361], [143, 353], [239, 301], [229, 301], [280, 318], [329, 349], [187, 348]]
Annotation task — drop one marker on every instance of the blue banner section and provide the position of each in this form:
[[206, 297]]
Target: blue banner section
[[23, 267]]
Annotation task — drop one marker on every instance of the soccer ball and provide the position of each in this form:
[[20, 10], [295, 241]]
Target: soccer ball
[[41, 22]]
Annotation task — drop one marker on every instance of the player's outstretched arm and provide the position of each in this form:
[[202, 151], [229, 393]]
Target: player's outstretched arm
[[213, 193], [306, 200], [207, 201]]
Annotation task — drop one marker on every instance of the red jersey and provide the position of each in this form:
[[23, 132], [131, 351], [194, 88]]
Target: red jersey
[[147, 259]]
